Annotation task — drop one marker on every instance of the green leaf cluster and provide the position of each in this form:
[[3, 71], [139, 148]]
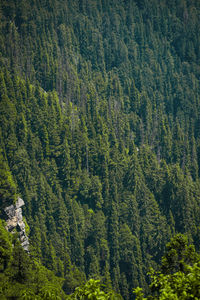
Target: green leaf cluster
[[171, 283], [93, 290]]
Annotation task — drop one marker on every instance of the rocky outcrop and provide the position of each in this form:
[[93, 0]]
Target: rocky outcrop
[[15, 221]]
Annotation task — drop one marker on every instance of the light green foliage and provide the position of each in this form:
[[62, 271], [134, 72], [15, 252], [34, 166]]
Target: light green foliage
[[179, 253], [179, 285], [180, 276], [93, 290], [139, 293], [27, 228]]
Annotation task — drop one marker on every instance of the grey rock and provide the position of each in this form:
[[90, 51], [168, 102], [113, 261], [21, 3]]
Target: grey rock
[[25, 245], [19, 214], [11, 223], [10, 211], [21, 226], [19, 203], [15, 220]]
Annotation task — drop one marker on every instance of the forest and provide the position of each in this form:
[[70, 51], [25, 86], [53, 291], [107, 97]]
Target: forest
[[100, 137]]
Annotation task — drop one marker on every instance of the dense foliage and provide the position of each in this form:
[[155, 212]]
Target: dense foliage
[[100, 132], [180, 276], [22, 276]]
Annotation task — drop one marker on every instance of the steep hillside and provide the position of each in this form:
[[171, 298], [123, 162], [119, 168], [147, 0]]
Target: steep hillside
[[100, 132]]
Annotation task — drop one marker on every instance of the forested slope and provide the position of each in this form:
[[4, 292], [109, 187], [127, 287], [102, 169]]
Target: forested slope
[[100, 132]]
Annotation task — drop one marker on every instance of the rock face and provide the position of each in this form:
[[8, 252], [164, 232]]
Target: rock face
[[15, 220]]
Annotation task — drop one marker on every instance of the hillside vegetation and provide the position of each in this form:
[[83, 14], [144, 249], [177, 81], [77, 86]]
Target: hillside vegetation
[[100, 133]]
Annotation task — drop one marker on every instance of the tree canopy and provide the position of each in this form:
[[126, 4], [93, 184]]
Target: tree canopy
[[100, 136]]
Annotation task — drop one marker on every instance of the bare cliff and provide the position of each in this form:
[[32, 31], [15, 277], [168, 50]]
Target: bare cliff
[[15, 221]]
